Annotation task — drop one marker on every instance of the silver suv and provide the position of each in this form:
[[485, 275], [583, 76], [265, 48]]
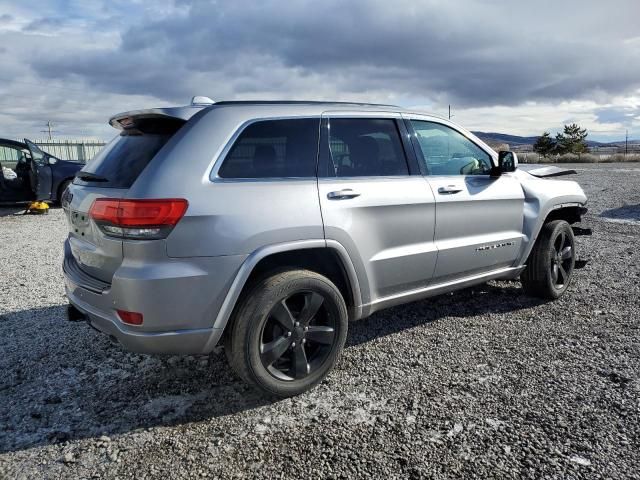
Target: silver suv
[[266, 226]]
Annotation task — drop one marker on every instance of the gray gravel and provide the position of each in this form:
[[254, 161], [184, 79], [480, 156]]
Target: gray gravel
[[480, 383]]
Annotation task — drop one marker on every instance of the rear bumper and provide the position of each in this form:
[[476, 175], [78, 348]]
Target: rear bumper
[[176, 342], [179, 300]]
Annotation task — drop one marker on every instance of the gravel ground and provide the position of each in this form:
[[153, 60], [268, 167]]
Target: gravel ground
[[480, 383]]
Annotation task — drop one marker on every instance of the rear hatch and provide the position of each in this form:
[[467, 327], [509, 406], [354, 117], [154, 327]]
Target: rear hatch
[[109, 176]]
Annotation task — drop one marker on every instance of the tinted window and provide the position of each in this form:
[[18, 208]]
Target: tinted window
[[447, 152], [365, 147], [123, 159], [274, 149]]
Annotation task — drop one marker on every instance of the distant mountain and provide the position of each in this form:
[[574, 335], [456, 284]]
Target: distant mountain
[[512, 140], [516, 140]]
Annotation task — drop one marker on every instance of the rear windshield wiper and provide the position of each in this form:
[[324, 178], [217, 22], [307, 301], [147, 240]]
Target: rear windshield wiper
[[91, 177]]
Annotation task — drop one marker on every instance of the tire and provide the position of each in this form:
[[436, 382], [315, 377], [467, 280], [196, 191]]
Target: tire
[[63, 186], [269, 350], [551, 262]]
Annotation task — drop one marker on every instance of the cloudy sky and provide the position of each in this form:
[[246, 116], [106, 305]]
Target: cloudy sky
[[504, 66]]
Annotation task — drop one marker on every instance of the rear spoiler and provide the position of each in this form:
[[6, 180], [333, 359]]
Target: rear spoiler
[[548, 171], [127, 120]]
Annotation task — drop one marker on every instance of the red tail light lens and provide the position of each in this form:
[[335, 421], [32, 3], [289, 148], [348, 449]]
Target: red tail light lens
[[132, 318], [141, 219]]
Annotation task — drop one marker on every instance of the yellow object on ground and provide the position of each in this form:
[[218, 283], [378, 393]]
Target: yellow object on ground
[[37, 208]]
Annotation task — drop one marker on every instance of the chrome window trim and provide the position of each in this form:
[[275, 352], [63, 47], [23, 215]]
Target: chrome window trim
[[262, 180], [382, 115], [465, 133], [213, 176], [368, 177]]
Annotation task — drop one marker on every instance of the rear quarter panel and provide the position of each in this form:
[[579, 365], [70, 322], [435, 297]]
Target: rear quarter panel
[[226, 217]]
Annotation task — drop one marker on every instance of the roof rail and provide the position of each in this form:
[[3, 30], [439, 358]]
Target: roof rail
[[299, 102]]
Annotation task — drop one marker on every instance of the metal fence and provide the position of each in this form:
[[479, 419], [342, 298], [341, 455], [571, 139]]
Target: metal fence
[[533, 157], [597, 154], [75, 150]]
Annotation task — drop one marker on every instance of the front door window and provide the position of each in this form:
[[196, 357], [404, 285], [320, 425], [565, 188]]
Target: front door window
[[446, 151]]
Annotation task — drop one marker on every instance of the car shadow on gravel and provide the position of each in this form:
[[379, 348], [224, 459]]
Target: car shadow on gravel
[[9, 211], [64, 381], [494, 297], [630, 213]]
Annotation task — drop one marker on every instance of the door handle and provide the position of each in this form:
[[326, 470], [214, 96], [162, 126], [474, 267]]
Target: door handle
[[449, 190], [344, 194]]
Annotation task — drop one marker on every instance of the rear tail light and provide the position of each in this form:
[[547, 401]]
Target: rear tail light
[[138, 219], [132, 318]]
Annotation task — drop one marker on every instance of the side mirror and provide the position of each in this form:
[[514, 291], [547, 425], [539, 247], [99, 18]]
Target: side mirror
[[52, 160], [507, 161]]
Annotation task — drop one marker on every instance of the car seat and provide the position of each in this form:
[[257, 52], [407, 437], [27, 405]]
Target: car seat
[[365, 157], [264, 160]]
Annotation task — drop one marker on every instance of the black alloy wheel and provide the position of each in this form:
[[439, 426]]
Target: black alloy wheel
[[551, 263], [287, 332], [297, 336], [562, 259]]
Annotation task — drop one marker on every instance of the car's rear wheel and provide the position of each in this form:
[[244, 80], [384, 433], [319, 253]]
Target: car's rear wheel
[[551, 262], [288, 332]]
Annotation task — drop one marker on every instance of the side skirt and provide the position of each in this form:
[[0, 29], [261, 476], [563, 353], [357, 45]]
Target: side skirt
[[440, 288]]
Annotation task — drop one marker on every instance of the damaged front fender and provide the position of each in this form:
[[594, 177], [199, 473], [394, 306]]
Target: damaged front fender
[[546, 171]]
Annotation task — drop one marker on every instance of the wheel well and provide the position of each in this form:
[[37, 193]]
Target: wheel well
[[324, 261], [570, 214], [60, 190]]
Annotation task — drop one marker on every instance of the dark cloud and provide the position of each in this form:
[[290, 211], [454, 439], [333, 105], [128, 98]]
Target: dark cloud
[[479, 53], [518, 67]]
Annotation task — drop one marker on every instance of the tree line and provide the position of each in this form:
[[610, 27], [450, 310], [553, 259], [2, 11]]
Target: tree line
[[571, 140]]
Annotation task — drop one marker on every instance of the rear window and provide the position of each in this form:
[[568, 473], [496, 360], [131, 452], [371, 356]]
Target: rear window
[[123, 159], [274, 149]]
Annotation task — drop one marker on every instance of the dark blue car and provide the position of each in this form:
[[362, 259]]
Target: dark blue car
[[30, 174]]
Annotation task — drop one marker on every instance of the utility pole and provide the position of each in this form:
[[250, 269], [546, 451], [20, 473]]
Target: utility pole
[[449, 111], [626, 142], [49, 129]]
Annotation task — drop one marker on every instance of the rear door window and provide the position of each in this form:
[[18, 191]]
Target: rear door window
[[285, 148], [365, 147], [123, 159]]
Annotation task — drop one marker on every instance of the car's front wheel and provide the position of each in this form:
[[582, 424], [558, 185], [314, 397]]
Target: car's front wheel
[[551, 262], [288, 332], [61, 189]]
